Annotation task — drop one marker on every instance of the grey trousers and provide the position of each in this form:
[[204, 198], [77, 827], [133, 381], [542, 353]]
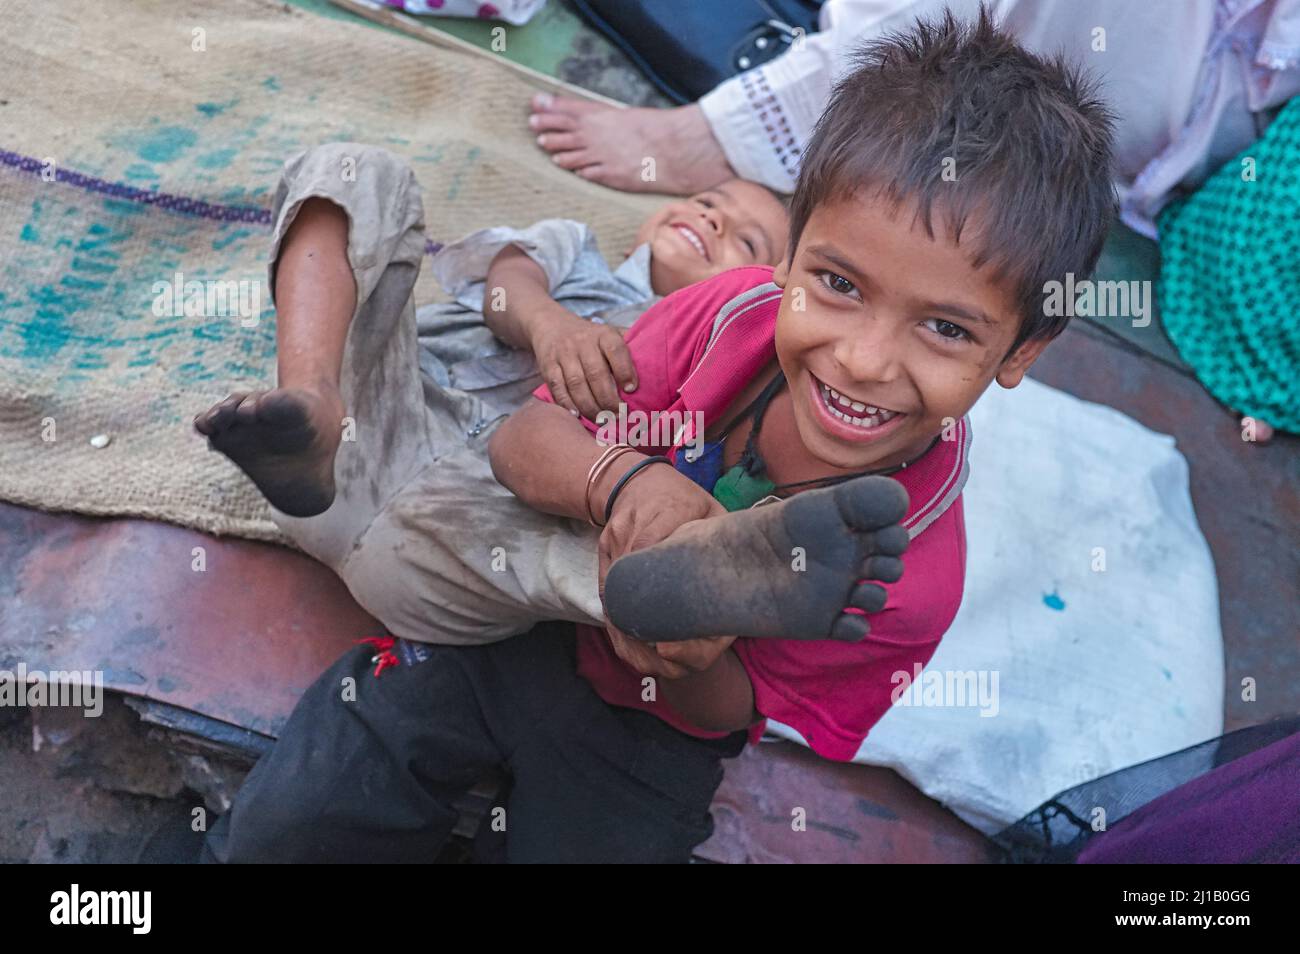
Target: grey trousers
[[420, 531]]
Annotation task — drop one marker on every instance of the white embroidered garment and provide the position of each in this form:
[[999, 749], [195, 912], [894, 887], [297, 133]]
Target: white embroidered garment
[[1193, 83]]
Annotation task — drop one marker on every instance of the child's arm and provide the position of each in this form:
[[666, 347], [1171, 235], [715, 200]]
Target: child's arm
[[703, 680], [718, 699], [542, 453], [584, 364]]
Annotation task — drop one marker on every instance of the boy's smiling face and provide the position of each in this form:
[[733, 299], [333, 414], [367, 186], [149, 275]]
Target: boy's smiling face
[[737, 223], [898, 332]]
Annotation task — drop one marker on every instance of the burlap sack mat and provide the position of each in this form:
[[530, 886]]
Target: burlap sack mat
[[142, 139]]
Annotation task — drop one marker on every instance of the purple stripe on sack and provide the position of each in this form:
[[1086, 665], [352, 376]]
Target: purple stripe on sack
[[180, 204]]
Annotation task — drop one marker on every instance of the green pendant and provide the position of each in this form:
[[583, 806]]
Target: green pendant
[[737, 489]]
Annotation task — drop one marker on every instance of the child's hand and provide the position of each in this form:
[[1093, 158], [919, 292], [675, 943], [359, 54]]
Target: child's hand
[[694, 655], [653, 505], [584, 364], [643, 657], [668, 660]]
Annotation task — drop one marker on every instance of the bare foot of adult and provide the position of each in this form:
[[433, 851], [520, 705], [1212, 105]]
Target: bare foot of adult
[[611, 146]]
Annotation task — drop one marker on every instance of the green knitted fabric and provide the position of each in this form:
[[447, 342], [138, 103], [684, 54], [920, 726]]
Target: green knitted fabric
[[1230, 277]]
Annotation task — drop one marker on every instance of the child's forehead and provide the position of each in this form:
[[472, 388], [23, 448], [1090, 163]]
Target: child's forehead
[[746, 194], [878, 214], [757, 204], [894, 242]]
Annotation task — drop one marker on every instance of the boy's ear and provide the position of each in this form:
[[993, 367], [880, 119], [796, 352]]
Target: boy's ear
[[781, 273], [1012, 370]]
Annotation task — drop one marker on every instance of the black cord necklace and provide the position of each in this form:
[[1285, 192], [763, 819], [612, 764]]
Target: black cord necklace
[[746, 482]]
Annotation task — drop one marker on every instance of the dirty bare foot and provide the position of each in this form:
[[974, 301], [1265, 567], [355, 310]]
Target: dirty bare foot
[[610, 145], [789, 570], [284, 439]]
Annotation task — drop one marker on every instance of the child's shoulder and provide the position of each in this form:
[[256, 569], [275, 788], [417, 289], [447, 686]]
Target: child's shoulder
[[696, 312], [670, 341], [730, 283], [711, 295]]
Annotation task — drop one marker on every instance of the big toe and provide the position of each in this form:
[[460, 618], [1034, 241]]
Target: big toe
[[870, 503]]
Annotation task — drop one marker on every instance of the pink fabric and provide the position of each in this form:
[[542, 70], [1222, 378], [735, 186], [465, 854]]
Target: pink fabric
[[832, 693], [514, 12]]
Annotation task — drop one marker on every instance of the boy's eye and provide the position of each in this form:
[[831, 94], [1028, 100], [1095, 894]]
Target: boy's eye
[[753, 250], [838, 283], [946, 329]]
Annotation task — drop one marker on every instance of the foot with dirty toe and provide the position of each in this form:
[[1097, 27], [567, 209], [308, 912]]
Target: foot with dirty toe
[[284, 439], [799, 569]]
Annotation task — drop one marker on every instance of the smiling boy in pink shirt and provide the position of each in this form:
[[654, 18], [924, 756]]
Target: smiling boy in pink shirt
[[912, 284], [695, 352]]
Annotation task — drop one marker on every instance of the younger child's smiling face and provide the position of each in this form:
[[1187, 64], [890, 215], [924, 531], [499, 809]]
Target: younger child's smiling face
[[736, 223], [897, 332]]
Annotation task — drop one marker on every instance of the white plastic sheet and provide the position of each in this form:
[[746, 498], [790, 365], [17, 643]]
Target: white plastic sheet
[[1090, 593]]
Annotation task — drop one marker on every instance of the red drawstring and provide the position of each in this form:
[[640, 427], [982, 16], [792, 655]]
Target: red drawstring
[[385, 656]]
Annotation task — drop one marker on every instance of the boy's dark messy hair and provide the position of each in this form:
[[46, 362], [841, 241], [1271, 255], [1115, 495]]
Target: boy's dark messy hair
[[1028, 137]]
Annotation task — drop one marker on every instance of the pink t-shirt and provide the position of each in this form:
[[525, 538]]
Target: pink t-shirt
[[696, 350]]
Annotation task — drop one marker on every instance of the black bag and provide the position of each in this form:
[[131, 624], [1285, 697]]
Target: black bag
[[687, 47]]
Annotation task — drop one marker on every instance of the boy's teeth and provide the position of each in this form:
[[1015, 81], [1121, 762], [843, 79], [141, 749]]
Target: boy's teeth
[[866, 416], [693, 239]]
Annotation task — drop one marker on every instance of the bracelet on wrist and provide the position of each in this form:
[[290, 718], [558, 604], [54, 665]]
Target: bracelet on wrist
[[623, 481], [598, 468]]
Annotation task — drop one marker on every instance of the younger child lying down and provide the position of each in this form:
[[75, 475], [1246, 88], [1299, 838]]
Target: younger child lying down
[[534, 286], [406, 510]]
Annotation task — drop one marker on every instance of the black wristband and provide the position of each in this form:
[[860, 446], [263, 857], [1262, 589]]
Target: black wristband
[[631, 472]]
